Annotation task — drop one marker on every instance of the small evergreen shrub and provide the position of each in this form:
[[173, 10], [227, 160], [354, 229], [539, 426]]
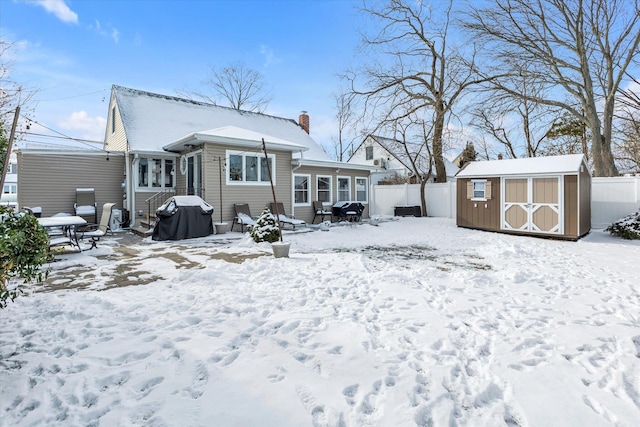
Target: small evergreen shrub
[[627, 227], [266, 229], [24, 248]]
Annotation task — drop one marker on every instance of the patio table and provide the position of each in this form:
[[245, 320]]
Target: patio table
[[68, 224]]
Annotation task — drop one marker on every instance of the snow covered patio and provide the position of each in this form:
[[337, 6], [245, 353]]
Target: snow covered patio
[[411, 323]]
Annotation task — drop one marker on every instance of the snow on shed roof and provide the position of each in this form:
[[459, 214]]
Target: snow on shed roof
[[525, 166], [152, 121]]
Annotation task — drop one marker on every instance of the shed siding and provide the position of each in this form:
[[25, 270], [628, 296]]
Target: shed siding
[[479, 214], [585, 202], [571, 205], [50, 180]]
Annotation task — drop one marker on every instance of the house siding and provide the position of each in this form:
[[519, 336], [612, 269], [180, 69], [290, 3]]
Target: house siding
[[50, 180], [115, 141], [305, 213], [257, 196]]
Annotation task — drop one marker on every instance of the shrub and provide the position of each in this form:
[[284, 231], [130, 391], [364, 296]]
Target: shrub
[[266, 229], [24, 248], [627, 227]]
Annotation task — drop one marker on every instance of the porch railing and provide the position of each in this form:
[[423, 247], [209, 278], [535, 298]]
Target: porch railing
[[155, 201]]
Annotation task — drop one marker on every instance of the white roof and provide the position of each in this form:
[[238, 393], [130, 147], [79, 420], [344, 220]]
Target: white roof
[[235, 136], [526, 166], [152, 121]]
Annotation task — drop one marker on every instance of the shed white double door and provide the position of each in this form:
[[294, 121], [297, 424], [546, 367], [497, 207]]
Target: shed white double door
[[532, 204]]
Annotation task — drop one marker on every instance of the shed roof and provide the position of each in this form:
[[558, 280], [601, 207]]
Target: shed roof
[[152, 121], [569, 163]]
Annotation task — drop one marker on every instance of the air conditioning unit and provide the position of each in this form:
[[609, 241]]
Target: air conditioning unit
[[380, 162]]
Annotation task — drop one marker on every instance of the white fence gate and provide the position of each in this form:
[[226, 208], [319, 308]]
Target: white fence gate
[[611, 199]]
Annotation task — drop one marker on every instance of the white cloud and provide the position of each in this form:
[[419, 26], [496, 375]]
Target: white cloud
[[89, 127], [108, 31], [60, 9], [115, 35], [270, 58]]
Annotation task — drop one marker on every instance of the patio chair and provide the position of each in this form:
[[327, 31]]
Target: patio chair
[[243, 216], [96, 231], [284, 219], [85, 205], [320, 211]]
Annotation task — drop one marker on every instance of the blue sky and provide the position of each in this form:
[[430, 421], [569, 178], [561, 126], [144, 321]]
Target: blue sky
[[72, 51]]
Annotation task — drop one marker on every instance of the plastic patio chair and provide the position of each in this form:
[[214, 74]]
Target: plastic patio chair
[[96, 231]]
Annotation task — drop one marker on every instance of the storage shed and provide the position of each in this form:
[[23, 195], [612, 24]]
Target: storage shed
[[543, 196]]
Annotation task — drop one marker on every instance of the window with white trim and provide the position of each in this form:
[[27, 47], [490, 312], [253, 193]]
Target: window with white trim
[[361, 190], [301, 189], [113, 119], [368, 153], [10, 189], [249, 168], [344, 188], [323, 189], [479, 189], [155, 173]]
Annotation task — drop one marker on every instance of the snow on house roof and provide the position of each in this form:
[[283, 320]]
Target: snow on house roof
[[234, 136], [525, 166], [397, 150], [152, 121]]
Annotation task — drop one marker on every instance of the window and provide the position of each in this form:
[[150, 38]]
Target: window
[[323, 190], [344, 188], [155, 173], [12, 169], [248, 168], [369, 153], [361, 190], [10, 189], [479, 189], [113, 119], [301, 189]]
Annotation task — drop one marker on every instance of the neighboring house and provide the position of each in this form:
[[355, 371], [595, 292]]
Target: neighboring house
[[164, 145], [389, 157], [9, 196]]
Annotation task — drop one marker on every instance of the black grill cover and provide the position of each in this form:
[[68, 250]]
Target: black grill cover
[[183, 217], [348, 210]]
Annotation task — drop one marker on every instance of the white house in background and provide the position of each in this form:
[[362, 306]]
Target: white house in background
[[9, 194], [390, 158]]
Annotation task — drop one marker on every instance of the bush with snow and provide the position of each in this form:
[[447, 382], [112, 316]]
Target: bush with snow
[[266, 229], [627, 227]]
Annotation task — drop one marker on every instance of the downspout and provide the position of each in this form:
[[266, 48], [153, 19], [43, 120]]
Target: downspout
[[297, 166], [132, 201]]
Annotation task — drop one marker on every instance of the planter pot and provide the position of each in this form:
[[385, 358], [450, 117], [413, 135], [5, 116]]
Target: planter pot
[[221, 227], [281, 249]]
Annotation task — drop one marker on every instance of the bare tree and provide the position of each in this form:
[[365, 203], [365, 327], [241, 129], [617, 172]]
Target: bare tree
[[578, 50], [237, 86], [346, 117], [427, 75]]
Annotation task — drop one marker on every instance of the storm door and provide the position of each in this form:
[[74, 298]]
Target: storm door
[[194, 174]]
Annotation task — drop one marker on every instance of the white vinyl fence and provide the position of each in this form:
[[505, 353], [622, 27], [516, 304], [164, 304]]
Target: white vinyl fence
[[611, 199]]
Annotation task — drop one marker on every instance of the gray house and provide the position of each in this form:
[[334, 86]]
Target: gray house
[[160, 145]]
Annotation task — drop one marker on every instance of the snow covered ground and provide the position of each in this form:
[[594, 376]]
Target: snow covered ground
[[411, 323]]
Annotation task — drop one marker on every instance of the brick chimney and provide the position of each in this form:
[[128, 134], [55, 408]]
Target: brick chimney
[[303, 120]]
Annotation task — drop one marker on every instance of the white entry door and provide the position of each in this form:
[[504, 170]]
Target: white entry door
[[532, 204]]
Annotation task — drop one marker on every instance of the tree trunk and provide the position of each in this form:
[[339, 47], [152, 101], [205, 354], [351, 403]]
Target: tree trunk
[[438, 129], [423, 198]]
